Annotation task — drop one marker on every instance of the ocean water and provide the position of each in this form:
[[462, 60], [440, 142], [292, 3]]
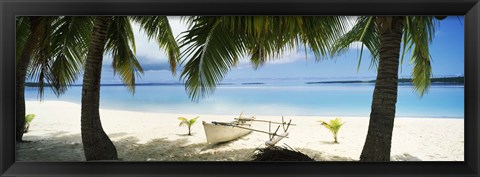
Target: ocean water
[[444, 101]]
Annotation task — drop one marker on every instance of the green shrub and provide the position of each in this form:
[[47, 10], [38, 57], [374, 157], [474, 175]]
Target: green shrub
[[187, 122], [28, 119], [334, 126]]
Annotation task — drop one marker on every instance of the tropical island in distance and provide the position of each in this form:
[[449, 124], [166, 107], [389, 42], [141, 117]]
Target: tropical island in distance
[[440, 80]]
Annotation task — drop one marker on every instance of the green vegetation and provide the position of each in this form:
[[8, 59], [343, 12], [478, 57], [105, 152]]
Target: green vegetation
[[388, 39], [34, 84], [446, 80], [453, 80], [49, 52], [28, 119], [114, 35], [334, 126], [253, 83], [187, 122]]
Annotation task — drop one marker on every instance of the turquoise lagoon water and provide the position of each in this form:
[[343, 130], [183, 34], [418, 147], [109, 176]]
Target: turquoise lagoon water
[[274, 99]]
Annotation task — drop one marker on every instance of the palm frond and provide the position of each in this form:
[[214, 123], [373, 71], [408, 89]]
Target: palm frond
[[192, 121], [121, 44], [70, 40], [419, 33], [284, 33], [58, 57], [363, 31], [183, 121], [40, 66], [158, 27], [212, 51], [29, 118], [322, 32], [22, 32]]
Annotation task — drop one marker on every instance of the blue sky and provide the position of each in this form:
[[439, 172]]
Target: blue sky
[[447, 51]]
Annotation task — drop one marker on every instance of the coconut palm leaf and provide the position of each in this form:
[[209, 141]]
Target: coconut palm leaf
[[71, 40], [320, 33], [212, 51], [60, 55], [419, 33], [41, 63], [183, 121], [22, 32], [121, 44], [268, 37], [29, 118], [363, 31], [159, 28]]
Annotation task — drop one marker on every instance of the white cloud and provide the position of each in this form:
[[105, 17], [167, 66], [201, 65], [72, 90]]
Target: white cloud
[[147, 49], [291, 56]]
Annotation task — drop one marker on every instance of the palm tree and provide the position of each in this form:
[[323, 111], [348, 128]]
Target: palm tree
[[28, 32], [114, 35], [48, 49], [214, 44], [383, 36]]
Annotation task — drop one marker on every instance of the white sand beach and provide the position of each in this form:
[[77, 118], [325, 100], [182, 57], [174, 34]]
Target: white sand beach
[[54, 135]]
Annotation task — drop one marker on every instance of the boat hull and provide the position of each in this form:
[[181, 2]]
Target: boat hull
[[216, 133]]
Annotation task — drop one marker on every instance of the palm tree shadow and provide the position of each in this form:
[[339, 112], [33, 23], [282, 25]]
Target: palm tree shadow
[[405, 157], [216, 145], [68, 147]]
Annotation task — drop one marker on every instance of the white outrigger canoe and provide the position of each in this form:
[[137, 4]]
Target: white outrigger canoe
[[218, 132]]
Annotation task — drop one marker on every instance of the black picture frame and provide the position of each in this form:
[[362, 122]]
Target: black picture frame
[[10, 8]]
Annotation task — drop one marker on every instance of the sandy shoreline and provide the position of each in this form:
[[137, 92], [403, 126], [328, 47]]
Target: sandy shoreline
[[139, 136]]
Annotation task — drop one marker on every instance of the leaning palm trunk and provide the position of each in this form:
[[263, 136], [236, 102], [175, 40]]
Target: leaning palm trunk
[[96, 144], [21, 72], [379, 137]]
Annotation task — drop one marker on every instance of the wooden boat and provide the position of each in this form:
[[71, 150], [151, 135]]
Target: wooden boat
[[218, 132]]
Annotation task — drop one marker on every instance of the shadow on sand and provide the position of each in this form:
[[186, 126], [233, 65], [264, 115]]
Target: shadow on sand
[[62, 146]]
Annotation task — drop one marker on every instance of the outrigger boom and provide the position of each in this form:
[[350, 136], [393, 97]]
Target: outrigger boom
[[235, 125], [251, 119]]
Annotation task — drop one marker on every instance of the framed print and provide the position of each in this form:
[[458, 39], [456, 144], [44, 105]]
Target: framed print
[[239, 88]]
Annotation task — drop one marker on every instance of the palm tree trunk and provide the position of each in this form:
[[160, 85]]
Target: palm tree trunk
[[21, 72], [96, 144], [379, 137]]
